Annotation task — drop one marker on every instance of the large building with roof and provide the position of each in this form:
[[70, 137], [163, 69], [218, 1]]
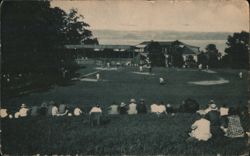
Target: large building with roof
[[170, 47], [135, 53], [102, 51]]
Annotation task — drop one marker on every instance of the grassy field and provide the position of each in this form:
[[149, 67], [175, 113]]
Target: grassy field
[[123, 134]]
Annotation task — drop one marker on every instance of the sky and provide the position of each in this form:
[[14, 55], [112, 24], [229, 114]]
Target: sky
[[175, 15]]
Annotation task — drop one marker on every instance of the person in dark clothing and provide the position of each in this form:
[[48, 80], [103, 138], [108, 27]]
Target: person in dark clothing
[[214, 117], [123, 108], [43, 109], [170, 109], [141, 108], [189, 106]]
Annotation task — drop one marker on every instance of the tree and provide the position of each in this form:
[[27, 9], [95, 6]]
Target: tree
[[213, 55], [156, 57], [33, 34], [76, 31], [202, 59], [237, 51]]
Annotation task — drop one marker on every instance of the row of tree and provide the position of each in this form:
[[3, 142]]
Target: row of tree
[[236, 54]]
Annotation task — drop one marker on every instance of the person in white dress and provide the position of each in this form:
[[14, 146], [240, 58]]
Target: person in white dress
[[200, 130], [132, 107]]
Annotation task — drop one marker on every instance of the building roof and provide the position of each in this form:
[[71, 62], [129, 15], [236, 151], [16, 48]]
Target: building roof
[[186, 48], [100, 46]]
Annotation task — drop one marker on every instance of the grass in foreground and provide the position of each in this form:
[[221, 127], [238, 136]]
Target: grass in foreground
[[121, 134]]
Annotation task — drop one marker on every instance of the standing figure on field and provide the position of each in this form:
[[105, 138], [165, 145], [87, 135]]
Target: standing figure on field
[[98, 76], [240, 75]]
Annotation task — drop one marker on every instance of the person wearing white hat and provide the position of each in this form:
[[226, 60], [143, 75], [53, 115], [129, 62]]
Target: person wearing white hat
[[214, 117], [123, 108], [132, 107], [23, 111], [209, 106], [170, 109], [3, 112]]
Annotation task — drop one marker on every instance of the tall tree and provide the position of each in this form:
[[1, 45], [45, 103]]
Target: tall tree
[[156, 56], [76, 31], [237, 50], [213, 55], [32, 33]]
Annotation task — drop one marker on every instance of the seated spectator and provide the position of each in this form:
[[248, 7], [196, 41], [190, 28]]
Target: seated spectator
[[209, 106], [234, 128], [3, 112], [132, 107], [141, 108], [200, 130], [224, 110], [77, 111], [170, 109], [49, 109], [223, 114], [23, 111], [189, 106], [54, 110], [123, 108], [95, 115], [62, 110], [214, 117], [34, 111], [158, 109], [113, 109], [43, 109]]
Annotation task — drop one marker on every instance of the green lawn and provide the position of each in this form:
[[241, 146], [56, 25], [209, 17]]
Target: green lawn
[[123, 134]]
